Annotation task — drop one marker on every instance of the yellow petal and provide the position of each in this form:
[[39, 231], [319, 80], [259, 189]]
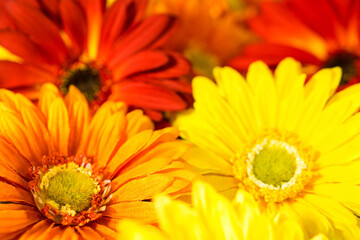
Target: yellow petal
[[130, 230], [261, 81], [176, 217]]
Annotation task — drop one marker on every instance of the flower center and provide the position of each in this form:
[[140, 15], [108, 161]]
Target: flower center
[[69, 186], [86, 79], [275, 168], [347, 62], [273, 165], [69, 190]]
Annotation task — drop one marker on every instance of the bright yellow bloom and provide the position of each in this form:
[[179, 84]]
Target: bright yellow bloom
[[214, 217], [290, 145], [65, 174]]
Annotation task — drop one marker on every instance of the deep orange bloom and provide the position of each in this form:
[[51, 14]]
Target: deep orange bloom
[[209, 32], [322, 33], [66, 174], [108, 52]]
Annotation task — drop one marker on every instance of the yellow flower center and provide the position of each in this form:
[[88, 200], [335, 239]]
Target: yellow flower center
[[277, 167], [68, 187], [69, 190]]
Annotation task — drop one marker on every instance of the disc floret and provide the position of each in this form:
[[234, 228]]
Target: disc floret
[[69, 190], [276, 167]]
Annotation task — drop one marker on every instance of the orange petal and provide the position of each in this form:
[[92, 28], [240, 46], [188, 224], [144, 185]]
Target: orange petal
[[142, 140], [11, 176], [48, 93], [88, 145], [78, 110], [105, 231], [14, 220], [58, 125], [10, 193], [88, 233], [38, 231], [109, 222], [11, 156], [128, 150], [34, 122], [140, 170], [137, 122], [142, 211], [13, 130], [168, 150], [112, 137], [142, 188]]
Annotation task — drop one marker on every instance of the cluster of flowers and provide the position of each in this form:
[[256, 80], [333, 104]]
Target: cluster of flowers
[[116, 121]]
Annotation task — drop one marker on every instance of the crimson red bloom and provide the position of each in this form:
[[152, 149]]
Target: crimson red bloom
[[109, 51], [321, 33]]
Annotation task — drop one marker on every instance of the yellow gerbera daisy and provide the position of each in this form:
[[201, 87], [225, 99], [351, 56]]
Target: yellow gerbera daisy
[[66, 174], [288, 144], [214, 217]]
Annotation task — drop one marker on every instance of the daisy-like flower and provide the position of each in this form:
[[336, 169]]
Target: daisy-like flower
[[106, 52], [64, 173], [214, 217], [289, 145], [320, 34], [203, 28]]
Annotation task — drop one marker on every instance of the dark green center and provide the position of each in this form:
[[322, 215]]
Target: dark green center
[[347, 63], [274, 166], [86, 79]]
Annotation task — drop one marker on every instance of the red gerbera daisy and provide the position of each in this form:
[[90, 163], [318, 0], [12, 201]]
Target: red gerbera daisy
[[108, 52], [322, 33]]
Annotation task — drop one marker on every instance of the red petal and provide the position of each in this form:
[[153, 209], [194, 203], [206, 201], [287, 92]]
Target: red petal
[[146, 95], [14, 75], [74, 23], [271, 54], [179, 85], [23, 47], [312, 18], [116, 19], [51, 7], [141, 62], [154, 115], [94, 15], [39, 28], [142, 36], [177, 66]]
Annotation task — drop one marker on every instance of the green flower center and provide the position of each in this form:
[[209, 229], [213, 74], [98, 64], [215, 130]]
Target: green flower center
[[274, 166], [68, 188], [86, 79], [347, 62]]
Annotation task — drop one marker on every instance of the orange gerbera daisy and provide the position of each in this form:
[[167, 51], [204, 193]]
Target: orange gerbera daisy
[[63, 173], [108, 52], [321, 34], [204, 27]]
